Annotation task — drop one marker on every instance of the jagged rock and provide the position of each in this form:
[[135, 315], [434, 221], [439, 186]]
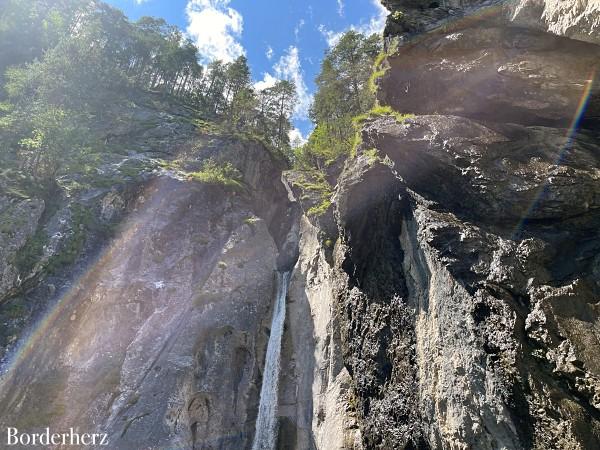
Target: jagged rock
[[448, 298], [462, 291], [498, 176], [112, 204], [316, 387], [576, 19], [411, 17], [161, 340]]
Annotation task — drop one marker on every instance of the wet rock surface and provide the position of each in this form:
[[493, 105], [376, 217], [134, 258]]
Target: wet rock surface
[[447, 299], [498, 74], [462, 289]]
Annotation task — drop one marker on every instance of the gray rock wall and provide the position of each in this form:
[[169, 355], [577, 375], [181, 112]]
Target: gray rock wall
[[464, 282], [159, 343], [315, 392]]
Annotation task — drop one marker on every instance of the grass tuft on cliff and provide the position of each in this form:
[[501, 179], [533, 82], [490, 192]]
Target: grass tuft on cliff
[[223, 174], [380, 111], [316, 190]]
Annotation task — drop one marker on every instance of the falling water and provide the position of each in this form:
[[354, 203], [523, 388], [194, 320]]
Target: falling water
[[266, 423]]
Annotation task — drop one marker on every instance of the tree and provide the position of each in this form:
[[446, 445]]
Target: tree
[[214, 88], [54, 142], [29, 28], [237, 75], [276, 105], [67, 59], [242, 109], [342, 93], [284, 92]]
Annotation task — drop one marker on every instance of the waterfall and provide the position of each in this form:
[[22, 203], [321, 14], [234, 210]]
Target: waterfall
[[266, 423]]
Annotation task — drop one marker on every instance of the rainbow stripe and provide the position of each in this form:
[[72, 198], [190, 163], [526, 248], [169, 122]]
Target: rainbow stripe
[[569, 139]]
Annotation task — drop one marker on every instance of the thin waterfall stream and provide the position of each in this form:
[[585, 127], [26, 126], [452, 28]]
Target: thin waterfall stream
[[265, 437]]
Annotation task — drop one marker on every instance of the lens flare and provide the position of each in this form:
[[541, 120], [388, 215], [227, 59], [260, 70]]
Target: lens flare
[[569, 139]]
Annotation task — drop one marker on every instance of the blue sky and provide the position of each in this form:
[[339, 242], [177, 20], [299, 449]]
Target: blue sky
[[282, 39]]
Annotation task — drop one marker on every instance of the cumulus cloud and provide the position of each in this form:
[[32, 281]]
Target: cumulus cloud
[[374, 26], [267, 82], [215, 28], [269, 52], [332, 37]]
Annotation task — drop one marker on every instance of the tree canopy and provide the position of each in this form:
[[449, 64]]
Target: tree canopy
[[343, 92], [63, 61]]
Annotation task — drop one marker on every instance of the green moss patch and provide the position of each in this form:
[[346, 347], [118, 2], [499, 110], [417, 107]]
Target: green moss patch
[[223, 174]]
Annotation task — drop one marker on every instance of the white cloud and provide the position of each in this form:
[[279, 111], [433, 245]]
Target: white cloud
[[332, 37], [289, 67], [215, 29], [377, 22], [267, 82], [269, 52], [374, 26], [296, 137]]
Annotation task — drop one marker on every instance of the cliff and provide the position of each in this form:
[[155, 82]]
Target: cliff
[[455, 303], [145, 313], [445, 296]]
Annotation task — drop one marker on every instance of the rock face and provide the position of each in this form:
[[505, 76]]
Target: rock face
[[19, 219], [448, 299], [462, 291], [496, 74], [160, 340], [315, 405], [574, 19]]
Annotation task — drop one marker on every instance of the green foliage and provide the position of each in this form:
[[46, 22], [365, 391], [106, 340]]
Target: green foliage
[[331, 139], [379, 60], [319, 209], [372, 155], [380, 111], [62, 62], [223, 174], [28, 28], [315, 187], [343, 92], [31, 252], [375, 77]]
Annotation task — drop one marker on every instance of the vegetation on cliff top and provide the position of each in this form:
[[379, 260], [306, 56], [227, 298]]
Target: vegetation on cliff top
[[223, 174], [342, 93], [345, 100], [68, 67]]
